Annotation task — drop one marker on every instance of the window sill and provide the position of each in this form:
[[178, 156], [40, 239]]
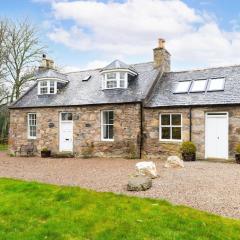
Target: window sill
[[107, 140], [170, 141], [32, 138]]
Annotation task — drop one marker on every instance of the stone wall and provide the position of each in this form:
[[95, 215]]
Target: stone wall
[[154, 148], [86, 130]]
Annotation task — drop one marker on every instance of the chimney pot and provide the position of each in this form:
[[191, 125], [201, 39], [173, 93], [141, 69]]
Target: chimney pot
[[161, 43], [162, 56]]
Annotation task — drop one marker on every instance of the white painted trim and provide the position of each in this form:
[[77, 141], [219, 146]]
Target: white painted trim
[[120, 70], [59, 133], [48, 87], [28, 126], [103, 139], [160, 128], [117, 80], [216, 114]]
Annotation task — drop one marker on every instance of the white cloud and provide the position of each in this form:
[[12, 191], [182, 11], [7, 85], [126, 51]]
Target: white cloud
[[132, 28]]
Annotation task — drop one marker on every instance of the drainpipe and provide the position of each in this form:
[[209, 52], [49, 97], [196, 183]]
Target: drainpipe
[[190, 123], [141, 130]]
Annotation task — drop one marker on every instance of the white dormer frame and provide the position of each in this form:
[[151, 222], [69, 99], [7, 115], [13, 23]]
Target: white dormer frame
[[117, 80], [48, 86], [120, 80]]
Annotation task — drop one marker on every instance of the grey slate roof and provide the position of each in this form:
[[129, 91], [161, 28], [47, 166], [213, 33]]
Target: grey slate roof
[[117, 64], [78, 92], [163, 94], [51, 73]]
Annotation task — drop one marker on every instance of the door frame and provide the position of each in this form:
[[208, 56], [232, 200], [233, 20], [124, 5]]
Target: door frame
[[60, 128], [216, 114]]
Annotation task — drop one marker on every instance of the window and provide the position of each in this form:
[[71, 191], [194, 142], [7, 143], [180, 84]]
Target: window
[[43, 87], [182, 87], [199, 85], [171, 127], [66, 116], [47, 87], [107, 120], [216, 84], [32, 125], [115, 80]]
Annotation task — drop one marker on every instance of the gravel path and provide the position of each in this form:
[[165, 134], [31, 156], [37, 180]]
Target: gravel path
[[214, 187]]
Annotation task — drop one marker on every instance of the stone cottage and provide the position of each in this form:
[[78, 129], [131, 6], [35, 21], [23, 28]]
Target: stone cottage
[[134, 111]]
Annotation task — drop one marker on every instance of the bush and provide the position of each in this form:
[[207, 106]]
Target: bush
[[188, 147], [238, 148], [45, 149]]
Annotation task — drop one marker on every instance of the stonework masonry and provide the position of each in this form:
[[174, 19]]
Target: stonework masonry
[[86, 130], [154, 148]]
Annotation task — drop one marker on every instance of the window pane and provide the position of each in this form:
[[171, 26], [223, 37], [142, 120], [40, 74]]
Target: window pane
[[110, 114], [165, 133], [110, 131], [165, 119], [111, 84], [122, 75], [111, 75], [182, 87], [122, 83], [32, 122], [43, 83], [176, 133], [176, 119], [199, 85], [105, 131], [216, 84], [43, 90], [66, 116]]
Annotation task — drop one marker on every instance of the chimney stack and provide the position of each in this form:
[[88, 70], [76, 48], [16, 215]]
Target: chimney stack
[[46, 63], [162, 56]]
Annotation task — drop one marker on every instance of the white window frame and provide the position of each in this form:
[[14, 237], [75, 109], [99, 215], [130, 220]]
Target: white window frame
[[28, 126], [170, 126], [117, 80], [189, 86], [214, 89], [48, 87], [197, 91], [104, 124]]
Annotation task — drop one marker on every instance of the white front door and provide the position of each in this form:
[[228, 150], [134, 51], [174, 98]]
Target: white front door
[[66, 133], [216, 135]]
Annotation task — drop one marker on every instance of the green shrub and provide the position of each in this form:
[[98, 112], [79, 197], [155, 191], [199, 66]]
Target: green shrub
[[45, 149], [188, 147], [238, 148]]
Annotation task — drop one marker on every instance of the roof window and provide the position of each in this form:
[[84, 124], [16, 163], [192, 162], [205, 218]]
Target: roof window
[[182, 87], [199, 85], [216, 84]]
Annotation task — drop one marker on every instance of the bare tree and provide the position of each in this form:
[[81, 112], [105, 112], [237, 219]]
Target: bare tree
[[3, 50], [23, 52]]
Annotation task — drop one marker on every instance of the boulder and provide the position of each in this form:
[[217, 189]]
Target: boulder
[[173, 162], [146, 169], [139, 183]]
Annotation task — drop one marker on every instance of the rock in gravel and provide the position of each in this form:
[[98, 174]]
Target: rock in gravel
[[139, 183], [146, 169], [174, 161]]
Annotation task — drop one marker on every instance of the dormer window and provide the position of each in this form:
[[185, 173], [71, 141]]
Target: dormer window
[[47, 87], [115, 80], [117, 75]]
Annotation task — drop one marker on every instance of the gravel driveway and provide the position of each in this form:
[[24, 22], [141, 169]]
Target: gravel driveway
[[214, 187]]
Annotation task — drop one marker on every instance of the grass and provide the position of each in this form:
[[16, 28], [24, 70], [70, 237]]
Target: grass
[[3, 147], [32, 211]]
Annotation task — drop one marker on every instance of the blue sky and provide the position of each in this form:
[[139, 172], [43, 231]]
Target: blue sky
[[88, 34]]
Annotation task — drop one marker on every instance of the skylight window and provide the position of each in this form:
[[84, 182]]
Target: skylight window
[[182, 87], [85, 79], [216, 84], [199, 85]]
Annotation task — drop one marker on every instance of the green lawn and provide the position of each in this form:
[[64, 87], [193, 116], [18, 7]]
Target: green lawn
[[31, 211], [3, 147]]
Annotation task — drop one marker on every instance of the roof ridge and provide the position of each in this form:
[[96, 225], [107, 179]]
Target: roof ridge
[[95, 69], [207, 68]]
